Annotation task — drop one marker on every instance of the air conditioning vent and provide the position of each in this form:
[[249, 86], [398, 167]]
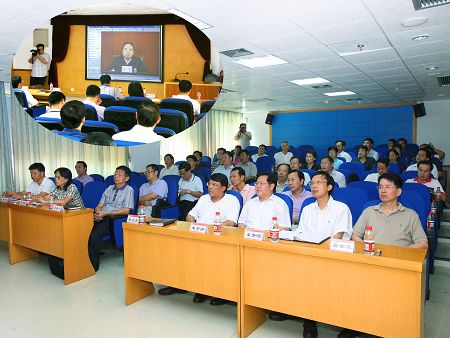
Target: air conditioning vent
[[352, 100], [321, 86], [235, 53], [423, 4], [444, 81]]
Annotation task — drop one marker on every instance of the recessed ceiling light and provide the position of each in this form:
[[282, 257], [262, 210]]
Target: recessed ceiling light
[[432, 68], [312, 81], [344, 93], [414, 21], [261, 61], [196, 22], [441, 95], [420, 37]]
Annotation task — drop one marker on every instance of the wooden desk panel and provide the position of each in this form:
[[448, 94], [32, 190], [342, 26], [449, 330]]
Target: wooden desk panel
[[209, 91], [4, 222], [378, 295]]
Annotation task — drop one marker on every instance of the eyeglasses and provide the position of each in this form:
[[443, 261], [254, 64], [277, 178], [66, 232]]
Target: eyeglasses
[[387, 187], [311, 183], [260, 183]]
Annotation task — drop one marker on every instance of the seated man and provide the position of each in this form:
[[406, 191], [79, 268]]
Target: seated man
[[423, 177], [72, 117], [237, 151], [392, 223], [282, 175], [190, 189], [116, 201], [17, 83], [382, 168], [155, 189], [362, 158], [249, 167], [297, 193], [332, 152], [226, 166], [40, 186], [258, 212], [193, 162], [261, 153], [283, 156], [147, 117], [93, 99], [237, 178], [170, 168], [296, 164], [327, 164], [340, 145], [423, 155], [55, 100], [368, 142], [327, 217], [106, 88], [198, 155], [185, 87], [219, 153], [83, 177]]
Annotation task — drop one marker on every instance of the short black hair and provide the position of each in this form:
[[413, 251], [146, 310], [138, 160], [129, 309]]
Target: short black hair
[[427, 151], [369, 139], [300, 174], [170, 156], [243, 151], [148, 115], [228, 153], [135, 89], [192, 157], [296, 158], [184, 86], [262, 145], [72, 114], [362, 146], [240, 170], [329, 158], [220, 178], [402, 139], [271, 179], [105, 79], [15, 81], [184, 166], [393, 178], [128, 43], [342, 141], [333, 148], [37, 166], [238, 146], [312, 152], [393, 151], [66, 173], [40, 45], [282, 164], [83, 163], [125, 169], [328, 177], [56, 97], [383, 160], [199, 152], [223, 149], [92, 90], [154, 167], [393, 140], [99, 138], [426, 163]]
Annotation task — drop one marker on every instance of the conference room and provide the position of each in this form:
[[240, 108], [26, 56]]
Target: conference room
[[388, 77]]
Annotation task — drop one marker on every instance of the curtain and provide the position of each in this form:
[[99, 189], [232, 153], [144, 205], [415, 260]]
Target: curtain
[[6, 163], [60, 41], [203, 45]]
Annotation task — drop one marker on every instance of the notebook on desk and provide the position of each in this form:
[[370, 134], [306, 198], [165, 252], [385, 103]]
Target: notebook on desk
[[71, 207], [162, 222], [305, 237]]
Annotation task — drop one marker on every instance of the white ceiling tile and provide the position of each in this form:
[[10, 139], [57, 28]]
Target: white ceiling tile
[[372, 56]]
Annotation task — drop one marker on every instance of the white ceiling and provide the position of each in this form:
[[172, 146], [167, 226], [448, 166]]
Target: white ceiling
[[309, 34]]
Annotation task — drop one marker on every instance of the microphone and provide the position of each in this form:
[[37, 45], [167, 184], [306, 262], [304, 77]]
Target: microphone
[[176, 79]]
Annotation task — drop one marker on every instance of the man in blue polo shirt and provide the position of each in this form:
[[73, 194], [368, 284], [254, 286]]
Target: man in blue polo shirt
[[73, 116], [155, 189]]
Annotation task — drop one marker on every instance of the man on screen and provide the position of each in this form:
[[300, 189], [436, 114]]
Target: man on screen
[[128, 62]]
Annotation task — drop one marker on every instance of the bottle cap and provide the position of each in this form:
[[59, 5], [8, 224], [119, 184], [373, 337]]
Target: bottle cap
[[274, 218], [217, 212], [369, 227]]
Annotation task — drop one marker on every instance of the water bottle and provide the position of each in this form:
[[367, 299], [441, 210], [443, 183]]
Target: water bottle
[[51, 86], [141, 214], [274, 230], [52, 198], [437, 194], [430, 221], [369, 241], [217, 224]]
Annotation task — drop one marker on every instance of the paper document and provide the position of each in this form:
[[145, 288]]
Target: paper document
[[310, 237]]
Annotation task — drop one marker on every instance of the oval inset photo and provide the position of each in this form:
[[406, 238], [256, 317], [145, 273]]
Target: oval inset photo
[[96, 77]]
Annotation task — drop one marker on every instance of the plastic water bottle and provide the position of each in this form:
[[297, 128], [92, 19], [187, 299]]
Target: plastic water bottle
[[217, 224], [274, 230], [430, 221], [51, 86], [437, 194], [141, 214], [369, 241], [52, 198]]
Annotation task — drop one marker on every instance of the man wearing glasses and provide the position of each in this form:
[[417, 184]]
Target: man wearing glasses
[[190, 189], [155, 189], [40, 63]]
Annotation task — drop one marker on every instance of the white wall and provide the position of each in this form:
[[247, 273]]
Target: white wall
[[260, 131], [143, 155], [434, 127]]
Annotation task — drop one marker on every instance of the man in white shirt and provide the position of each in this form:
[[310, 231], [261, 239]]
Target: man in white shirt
[[258, 212], [106, 88], [219, 154], [327, 165], [40, 64], [185, 87], [327, 217], [55, 100], [225, 168], [423, 177], [296, 164], [423, 155], [382, 167], [368, 142], [261, 152], [82, 176], [17, 83], [93, 99], [249, 167], [170, 168], [190, 189], [40, 186], [282, 175], [340, 145], [147, 118], [243, 136], [284, 156]]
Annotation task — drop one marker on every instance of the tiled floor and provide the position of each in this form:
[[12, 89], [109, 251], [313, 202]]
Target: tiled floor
[[34, 303]]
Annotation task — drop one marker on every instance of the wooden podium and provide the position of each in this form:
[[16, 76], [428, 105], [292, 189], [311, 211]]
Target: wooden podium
[[209, 91]]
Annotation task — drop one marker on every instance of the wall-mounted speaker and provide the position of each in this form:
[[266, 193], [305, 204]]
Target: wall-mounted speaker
[[269, 119], [419, 110]]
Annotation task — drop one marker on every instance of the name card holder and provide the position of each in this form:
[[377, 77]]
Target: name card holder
[[198, 228], [4, 200], [56, 207], [255, 235], [342, 245], [25, 202], [133, 219]]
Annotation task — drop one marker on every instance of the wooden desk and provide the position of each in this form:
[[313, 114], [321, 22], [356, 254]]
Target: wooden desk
[[209, 91], [4, 222], [41, 95], [61, 234], [377, 295]]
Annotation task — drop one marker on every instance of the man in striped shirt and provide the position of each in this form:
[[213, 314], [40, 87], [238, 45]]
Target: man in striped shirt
[[106, 88]]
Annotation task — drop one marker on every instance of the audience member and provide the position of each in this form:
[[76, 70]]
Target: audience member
[[170, 168], [327, 165], [249, 167], [368, 142], [282, 177], [340, 145], [261, 152], [332, 152], [39, 186], [93, 99], [185, 87], [297, 193], [226, 166], [296, 164], [198, 154], [283, 156], [155, 189], [423, 155], [190, 189], [219, 153], [106, 87], [128, 62], [237, 179], [17, 83], [55, 100], [117, 200], [362, 158], [193, 162], [72, 117], [243, 136], [147, 117], [81, 169], [424, 169], [135, 89], [310, 159], [382, 168], [392, 142], [258, 212], [99, 138], [237, 150], [394, 158]]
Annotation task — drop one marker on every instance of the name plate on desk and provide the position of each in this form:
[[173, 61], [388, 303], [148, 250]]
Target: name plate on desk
[[25, 202], [56, 207], [198, 228], [133, 219], [255, 235], [4, 200], [342, 245]]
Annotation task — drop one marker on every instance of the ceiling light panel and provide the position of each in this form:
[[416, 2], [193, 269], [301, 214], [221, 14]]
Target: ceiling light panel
[[312, 81], [261, 61], [343, 93]]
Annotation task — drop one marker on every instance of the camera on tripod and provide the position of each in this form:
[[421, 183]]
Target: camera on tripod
[[34, 52]]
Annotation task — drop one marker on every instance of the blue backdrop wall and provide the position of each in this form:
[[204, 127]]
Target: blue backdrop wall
[[322, 128]]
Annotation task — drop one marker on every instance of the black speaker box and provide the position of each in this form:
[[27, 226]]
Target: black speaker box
[[269, 119], [419, 110]]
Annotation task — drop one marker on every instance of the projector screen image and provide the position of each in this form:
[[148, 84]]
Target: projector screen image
[[126, 53]]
